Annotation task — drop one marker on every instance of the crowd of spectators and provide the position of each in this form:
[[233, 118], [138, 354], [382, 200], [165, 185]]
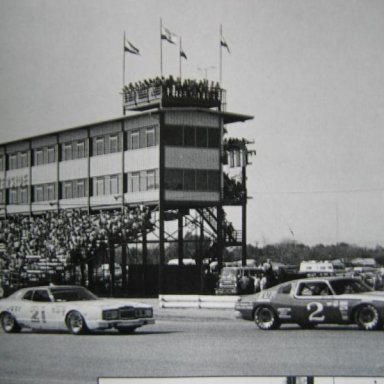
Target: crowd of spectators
[[63, 239], [175, 88]]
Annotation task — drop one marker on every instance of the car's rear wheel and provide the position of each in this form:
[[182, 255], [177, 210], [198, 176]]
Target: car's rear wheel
[[266, 318], [368, 318], [126, 330], [76, 323], [9, 323]]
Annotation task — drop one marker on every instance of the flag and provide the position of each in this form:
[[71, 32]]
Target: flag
[[166, 34], [129, 47], [183, 54], [224, 44]]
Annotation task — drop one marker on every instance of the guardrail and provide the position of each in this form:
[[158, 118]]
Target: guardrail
[[198, 301]]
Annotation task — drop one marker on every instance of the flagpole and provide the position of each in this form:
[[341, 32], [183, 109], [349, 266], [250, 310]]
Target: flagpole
[[124, 60], [221, 53], [161, 48]]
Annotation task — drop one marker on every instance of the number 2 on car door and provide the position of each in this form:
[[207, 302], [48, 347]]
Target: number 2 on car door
[[316, 312]]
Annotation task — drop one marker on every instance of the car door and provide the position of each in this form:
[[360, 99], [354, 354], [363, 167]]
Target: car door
[[314, 303], [40, 310]]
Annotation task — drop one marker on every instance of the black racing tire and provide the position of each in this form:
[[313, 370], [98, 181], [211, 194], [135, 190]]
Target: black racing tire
[[368, 318], [9, 323], [126, 330], [266, 318], [76, 324]]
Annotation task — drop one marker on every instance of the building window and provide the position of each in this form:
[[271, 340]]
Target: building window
[[39, 157], [12, 161], [1, 163], [151, 180], [113, 144], [135, 140], [13, 196], [67, 190], [80, 188], [50, 192], [38, 193], [99, 186], [23, 195], [135, 186], [214, 181], [201, 180], [173, 135], [174, 179], [114, 185], [67, 151], [201, 137], [100, 146], [189, 136], [189, 180], [80, 149], [2, 195], [213, 138], [22, 160], [51, 154], [150, 137]]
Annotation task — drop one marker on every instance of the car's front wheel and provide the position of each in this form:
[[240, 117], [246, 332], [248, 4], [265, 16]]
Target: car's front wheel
[[266, 318], [76, 323], [368, 318], [9, 323]]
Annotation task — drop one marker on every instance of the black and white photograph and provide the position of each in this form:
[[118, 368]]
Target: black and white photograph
[[191, 191]]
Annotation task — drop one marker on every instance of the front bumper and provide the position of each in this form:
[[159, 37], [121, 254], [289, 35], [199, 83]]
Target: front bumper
[[106, 324], [226, 291]]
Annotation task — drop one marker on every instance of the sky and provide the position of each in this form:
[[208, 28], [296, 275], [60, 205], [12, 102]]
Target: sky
[[311, 72]]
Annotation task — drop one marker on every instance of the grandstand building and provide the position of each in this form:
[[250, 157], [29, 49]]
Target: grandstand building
[[168, 153]]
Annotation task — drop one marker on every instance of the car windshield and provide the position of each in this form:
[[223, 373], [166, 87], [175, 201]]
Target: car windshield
[[229, 272], [72, 294], [349, 286]]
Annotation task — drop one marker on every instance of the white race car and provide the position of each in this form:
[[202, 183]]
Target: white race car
[[70, 307]]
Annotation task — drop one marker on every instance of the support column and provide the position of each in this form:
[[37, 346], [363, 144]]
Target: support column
[[220, 240], [161, 204], [180, 249], [244, 218]]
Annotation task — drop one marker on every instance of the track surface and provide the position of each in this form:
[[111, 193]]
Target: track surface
[[190, 347]]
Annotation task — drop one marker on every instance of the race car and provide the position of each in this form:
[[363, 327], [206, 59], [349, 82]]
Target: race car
[[72, 308], [312, 301]]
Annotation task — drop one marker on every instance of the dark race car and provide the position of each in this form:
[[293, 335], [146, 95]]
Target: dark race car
[[312, 301]]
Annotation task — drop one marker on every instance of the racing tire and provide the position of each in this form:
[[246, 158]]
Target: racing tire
[[9, 323], [126, 330], [266, 318], [76, 324], [368, 318]]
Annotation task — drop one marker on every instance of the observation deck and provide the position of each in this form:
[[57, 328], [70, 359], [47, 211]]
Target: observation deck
[[162, 93]]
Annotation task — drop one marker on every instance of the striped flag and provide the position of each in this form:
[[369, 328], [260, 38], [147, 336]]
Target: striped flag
[[129, 47], [166, 34], [224, 44]]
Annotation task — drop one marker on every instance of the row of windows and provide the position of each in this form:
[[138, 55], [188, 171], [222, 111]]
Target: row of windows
[[192, 180], [100, 186], [78, 149], [186, 136]]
